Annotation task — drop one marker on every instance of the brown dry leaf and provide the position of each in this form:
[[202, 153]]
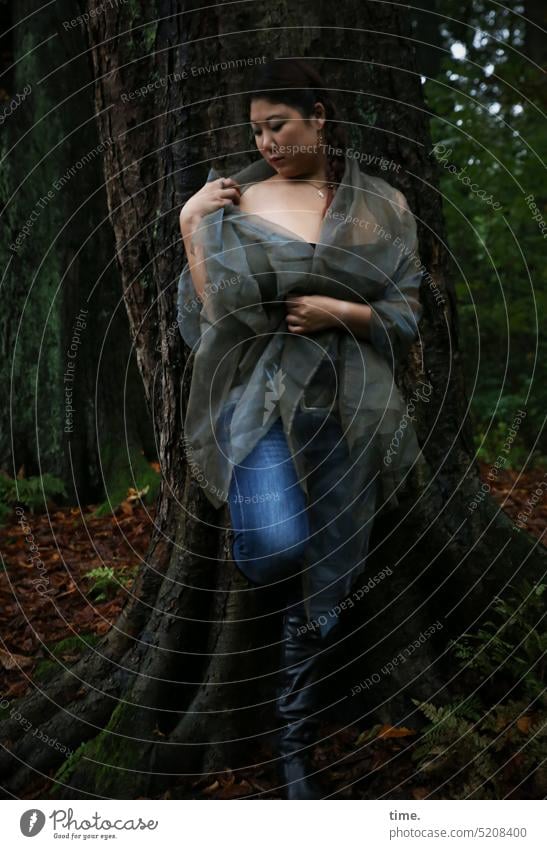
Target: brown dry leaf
[[16, 690], [523, 724], [135, 494], [420, 793], [67, 555], [10, 661], [212, 787], [234, 791], [388, 731], [72, 589]]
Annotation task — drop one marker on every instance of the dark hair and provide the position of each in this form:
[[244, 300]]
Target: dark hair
[[298, 84]]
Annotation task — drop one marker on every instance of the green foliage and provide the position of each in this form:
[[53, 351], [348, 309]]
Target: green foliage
[[110, 746], [495, 414], [67, 651], [478, 759], [105, 582], [512, 642], [483, 745], [33, 493], [487, 115], [126, 475]]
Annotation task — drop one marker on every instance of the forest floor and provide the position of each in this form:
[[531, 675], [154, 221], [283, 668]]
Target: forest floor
[[72, 544]]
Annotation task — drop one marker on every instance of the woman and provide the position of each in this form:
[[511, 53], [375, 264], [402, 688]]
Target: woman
[[300, 292]]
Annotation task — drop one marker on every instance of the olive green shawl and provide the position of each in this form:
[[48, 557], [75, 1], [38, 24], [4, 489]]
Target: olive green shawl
[[368, 253]]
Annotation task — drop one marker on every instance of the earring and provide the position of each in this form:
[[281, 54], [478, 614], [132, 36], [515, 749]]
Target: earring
[[320, 142]]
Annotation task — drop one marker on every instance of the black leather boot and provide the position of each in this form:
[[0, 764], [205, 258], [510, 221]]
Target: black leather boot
[[297, 702]]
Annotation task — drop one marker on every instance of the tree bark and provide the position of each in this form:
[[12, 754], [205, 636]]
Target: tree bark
[[184, 682], [65, 333], [534, 32]]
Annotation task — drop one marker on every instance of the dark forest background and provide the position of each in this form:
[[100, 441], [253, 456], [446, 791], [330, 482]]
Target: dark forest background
[[80, 436], [480, 67]]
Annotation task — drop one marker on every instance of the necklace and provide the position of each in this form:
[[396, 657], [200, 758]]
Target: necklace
[[319, 192]]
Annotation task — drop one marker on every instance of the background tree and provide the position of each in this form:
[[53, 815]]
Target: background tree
[[63, 305], [184, 680], [489, 101]]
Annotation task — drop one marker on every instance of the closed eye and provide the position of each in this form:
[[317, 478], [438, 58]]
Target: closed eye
[[275, 130]]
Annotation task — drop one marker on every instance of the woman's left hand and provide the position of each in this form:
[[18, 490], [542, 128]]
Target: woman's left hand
[[309, 313]]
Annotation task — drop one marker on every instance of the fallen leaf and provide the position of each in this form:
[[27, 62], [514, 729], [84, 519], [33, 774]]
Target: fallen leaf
[[14, 661], [388, 731], [420, 793], [523, 724]]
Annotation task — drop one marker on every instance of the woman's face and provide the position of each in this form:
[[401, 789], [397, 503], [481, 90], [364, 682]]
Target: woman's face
[[285, 139]]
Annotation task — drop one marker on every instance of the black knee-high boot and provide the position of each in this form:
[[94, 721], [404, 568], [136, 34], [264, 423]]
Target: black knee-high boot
[[298, 702]]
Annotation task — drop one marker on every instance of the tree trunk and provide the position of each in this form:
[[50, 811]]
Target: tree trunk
[[534, 31], [66, 346], [170, 690]]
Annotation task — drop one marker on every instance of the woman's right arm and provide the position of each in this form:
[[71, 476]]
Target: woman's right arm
[[211, 197], [194, 252]]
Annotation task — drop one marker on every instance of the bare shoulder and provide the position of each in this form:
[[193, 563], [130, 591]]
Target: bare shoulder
[[255, 195]]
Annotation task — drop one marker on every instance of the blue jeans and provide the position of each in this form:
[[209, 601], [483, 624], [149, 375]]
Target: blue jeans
[[267, 509], [273, 520]]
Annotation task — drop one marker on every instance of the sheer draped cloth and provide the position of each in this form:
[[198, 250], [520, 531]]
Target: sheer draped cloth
[[367, 252]]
